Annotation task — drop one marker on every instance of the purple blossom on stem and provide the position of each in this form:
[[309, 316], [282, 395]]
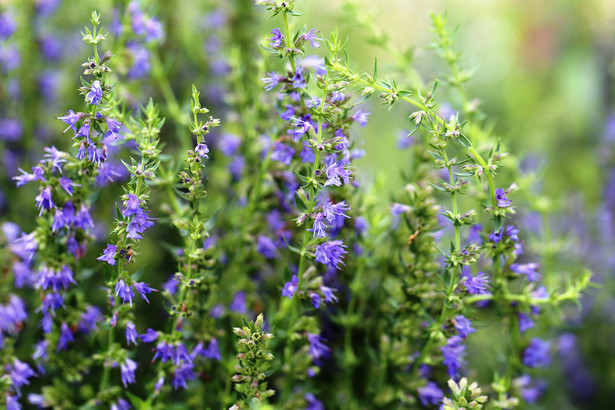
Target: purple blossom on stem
[[331, 253], [165, 351], [500, 197], [320, 227], [337, 172], [277, 39], [19, 373], [290, 287], [202, 150], [128, 371], [282, 153], [525, 322], [528, 270], [181, 354], [67, 185], [143, 289], [95, 93], [430, 394], [108, 255], [90, 319], [271, 81], [331, 210], [266, 247], [453, 353], [327, 293], [24, 178], [476, 285], [124, 292], [318, 350], [71, 118], [113, 126], [183, 373], [537, 353], [66, 335], [44, 200], [463, 326], [361, 117], [131, 333], [149, 336], [311, 37]]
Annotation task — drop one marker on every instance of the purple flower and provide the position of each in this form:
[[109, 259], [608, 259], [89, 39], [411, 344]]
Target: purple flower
[[331, 210], [181, 354], [320, 227], [361, 117], [55, 157], [331, 253], [71, 118], [537, 353], [236, 167], [266, 247], [315, 300], [113, 126], [327, 293], [318, 350], [128, 371], [7, 25], [474, 234], [120, 405], [301, 127], [44, 200], [229, 144], [276, 40], [90, 319], [83, 219], [528, 270], [476, 285], [65, 336], [24, 178], [95, 93], [500, 197], [67, 184], [143, 289], [124, 292], [463, 326], [290, 287], [183, 373], [454, 353], [132, 205], [10, 129], [530, 392], [213, 352], [298, 79], [282, 153], [108, 255], [131, 333], [525, 322], [307, 154], [311, 37], [430, 394], [19, 372], [141, 64], [238, 303], [312, 403], [271, 81], [337, 172], [149, 336], [315, 63], [51, 302], [512, 232], [202, 150], [165, 351]]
